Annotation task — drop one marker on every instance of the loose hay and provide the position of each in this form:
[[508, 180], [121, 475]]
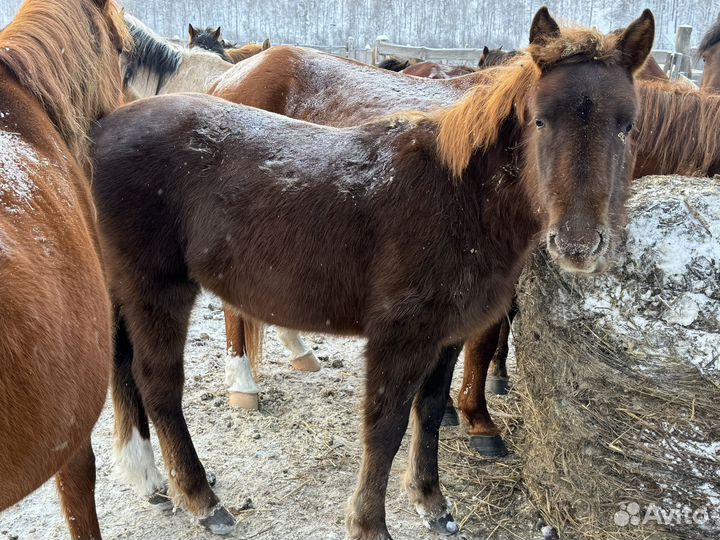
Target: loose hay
[[619, 376]]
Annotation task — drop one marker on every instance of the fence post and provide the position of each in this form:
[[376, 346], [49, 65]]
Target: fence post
[[683, 64], [350, 47], [375, 55]]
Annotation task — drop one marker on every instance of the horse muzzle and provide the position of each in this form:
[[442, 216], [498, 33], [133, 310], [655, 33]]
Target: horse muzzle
[[579, 252]]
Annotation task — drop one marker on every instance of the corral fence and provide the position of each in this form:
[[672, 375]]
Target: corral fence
[[679, 63]]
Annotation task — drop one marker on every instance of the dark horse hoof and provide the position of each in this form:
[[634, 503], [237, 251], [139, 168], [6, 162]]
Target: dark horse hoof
[[211, 478], [219, 522], [444, 526], [161, 501], [498, 385], [488, 445], [451, 417]]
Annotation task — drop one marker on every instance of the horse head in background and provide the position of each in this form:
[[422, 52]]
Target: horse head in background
[[208, 39]]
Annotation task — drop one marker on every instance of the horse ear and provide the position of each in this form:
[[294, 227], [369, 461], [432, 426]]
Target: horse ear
[[486, 51], [266, 44], [543, 27], [216, 33], [636, 41], [192, 31]]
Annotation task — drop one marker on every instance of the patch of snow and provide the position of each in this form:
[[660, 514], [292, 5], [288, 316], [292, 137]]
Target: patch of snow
[[18, 161]]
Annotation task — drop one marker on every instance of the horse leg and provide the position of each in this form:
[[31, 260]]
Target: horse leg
[[484, 435], [158, 317], [243, 392], [132, 451], [304, 358], [422, 480], [394, 376], [450, 417], [76, 486], [498, 380]]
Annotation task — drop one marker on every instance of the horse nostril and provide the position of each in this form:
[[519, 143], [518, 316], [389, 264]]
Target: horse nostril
[[600, 243]]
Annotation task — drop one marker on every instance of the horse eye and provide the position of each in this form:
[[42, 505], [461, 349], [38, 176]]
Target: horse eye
[[629, 127], [539, 123]]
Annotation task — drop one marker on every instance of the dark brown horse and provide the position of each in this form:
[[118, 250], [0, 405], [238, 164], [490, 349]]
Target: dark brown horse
[[210, 40], [296, 82], [59, 72], [202, 200], [495, 57], [393, 63], [709, 51]]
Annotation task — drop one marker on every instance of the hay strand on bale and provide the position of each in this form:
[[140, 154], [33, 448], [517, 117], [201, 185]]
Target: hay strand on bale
[[618, 376]]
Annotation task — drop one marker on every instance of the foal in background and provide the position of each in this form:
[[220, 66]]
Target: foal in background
[[59, 72], [544, 150]]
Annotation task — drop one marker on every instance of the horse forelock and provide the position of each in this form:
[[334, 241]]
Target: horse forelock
[[65, 52], [475, 121]]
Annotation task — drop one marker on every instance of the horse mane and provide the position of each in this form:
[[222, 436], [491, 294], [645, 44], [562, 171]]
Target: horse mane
[[150, 53], [475, 121], [711, 37], [394, 64], [678, 127], [65, 52]]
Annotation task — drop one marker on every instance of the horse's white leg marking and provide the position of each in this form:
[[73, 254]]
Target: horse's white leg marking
[[304, 358], [240, 382], [135, 463]]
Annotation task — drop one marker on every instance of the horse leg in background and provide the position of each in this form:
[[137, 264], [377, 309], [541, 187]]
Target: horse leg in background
[[243, 392], [76, 486], [450, 416], [394, 375], [158, 316], [422, 480], [132, 451], [484, 435], [304, 358], [498, 380]]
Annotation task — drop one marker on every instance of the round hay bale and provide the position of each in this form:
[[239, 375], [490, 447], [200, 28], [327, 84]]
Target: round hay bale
[[619, 376]]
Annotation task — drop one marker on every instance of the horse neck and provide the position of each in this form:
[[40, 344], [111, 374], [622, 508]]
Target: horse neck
[[677, 131], [499, 180], [57, 52]]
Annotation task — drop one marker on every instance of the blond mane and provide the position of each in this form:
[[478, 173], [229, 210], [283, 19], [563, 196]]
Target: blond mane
[[475, 121], [65, 52]]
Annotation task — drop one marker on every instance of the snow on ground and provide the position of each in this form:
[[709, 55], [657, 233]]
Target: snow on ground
[[297, 459]]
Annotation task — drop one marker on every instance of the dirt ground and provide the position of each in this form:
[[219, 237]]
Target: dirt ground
[[296, 459]]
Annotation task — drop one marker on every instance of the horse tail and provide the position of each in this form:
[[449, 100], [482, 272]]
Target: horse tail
[[254, 332], [266, 44]]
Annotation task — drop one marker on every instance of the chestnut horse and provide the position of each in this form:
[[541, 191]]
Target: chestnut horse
[[210, 40], [709, 51], [59, 72], [542, 150], [431, 70]]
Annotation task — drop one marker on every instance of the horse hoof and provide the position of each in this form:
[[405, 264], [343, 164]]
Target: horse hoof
[[306, 362], [220, 522], [160, 501], [444, 526], [498, 385], [489, 445], [243, 400], [211, 478], [450, 418]]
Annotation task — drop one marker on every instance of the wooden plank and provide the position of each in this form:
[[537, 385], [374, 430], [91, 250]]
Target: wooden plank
[[428, 53]]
